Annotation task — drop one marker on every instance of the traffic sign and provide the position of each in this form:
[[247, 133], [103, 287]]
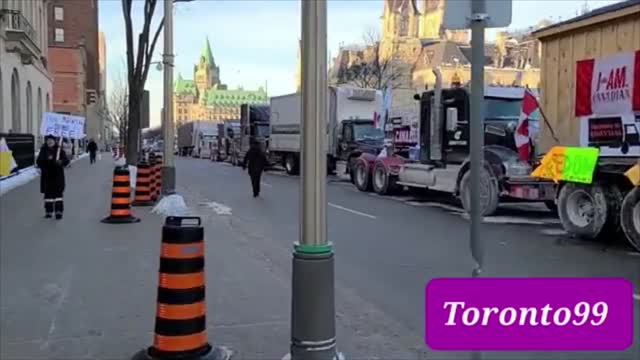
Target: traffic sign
[[459, 14]]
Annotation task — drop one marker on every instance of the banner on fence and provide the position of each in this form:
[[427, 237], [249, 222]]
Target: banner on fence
[[61, 125]]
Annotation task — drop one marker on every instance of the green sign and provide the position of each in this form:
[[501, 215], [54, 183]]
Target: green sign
[[579, 164]]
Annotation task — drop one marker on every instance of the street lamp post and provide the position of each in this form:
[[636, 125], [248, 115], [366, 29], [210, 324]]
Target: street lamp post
[[313, 335], [168, 167]]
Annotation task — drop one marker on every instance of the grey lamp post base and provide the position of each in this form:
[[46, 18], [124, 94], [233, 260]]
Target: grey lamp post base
[[313, 328]]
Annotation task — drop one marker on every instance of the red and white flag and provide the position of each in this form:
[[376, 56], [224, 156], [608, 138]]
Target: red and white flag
[[529, 105], [608, 86]]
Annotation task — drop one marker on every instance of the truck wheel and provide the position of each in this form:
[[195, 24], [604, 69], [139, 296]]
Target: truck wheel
[[361, 177], [290, 164], [383, 182], [590, 211], [630, 217], [489, 194]]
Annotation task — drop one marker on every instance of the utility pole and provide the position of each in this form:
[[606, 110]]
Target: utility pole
[[168, 167], [313, 333], [478, 19]]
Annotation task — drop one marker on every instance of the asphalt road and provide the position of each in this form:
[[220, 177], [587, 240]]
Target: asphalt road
[[80, 289], [387, 249]]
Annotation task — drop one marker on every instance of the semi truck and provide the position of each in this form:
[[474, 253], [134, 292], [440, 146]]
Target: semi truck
[[254, 126], [351, 129], [228, 132], [196, 138], [442, 158]]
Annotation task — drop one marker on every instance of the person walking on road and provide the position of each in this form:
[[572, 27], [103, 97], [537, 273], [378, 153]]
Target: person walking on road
[[92, 148], [52, 161], [256, 159]]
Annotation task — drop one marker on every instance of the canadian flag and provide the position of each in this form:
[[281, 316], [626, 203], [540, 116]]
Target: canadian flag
[[608, 86], [529, 105]]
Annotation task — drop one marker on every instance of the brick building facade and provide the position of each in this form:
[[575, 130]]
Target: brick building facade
[[74, 60]]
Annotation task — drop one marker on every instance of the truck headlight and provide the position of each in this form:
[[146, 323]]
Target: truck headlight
[[516, 168]]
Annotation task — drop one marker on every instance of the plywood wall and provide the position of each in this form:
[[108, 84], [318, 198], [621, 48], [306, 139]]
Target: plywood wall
[[558, 72]]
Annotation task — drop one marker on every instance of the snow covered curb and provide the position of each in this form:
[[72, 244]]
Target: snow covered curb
[[172, 205], [25, 176]]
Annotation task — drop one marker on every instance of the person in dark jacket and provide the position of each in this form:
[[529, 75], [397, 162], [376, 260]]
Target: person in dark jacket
[[52, 161], [92, 148], [256, 160]]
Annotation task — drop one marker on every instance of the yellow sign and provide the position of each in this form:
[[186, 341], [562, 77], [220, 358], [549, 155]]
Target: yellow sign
[[634, 175], [575, 164], [5, 163]]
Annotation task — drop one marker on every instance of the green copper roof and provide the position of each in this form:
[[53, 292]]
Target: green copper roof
[[233, 98], [206, 52], [184, 87]]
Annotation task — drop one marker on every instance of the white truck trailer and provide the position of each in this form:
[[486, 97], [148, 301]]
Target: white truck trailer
[[351, 128]]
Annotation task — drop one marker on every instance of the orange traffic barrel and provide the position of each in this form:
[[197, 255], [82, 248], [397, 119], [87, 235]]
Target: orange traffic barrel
[[159, 176], [153, 177], [143, 185], [180, 323], [121, 198]]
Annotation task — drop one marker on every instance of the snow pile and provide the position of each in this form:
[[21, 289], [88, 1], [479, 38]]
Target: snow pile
[[133, 170], [120, 162], [218, 208], [172, 205], [81, 156], [23, 177]]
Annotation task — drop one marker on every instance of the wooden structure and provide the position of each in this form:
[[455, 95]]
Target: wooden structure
[[602, 32]]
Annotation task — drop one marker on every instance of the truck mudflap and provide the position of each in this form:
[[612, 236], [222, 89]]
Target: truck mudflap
[[392, 164]]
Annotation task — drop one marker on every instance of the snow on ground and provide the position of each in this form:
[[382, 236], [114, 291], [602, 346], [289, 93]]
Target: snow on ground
[[218, 208], [133, 170], [120, 162], [172, 205], [25, 176]]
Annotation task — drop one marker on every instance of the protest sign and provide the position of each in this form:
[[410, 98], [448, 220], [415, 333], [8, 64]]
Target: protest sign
[[60, 125], [574, 164]]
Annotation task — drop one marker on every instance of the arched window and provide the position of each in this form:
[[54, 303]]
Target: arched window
[[16, 121], [47, 104], [39, 113], [29, 108]]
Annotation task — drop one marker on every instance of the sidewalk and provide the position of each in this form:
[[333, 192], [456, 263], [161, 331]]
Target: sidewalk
[[81, 289]]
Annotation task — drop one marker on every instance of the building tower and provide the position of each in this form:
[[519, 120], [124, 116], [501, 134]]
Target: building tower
[[400, 19], [432, 13], [205, 73]]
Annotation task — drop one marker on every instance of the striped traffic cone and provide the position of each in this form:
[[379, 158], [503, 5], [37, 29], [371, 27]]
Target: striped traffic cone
[[143, 185], [121, 198], [180, 325]]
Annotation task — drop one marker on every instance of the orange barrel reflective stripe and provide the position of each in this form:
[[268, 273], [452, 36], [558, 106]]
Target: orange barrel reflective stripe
[[153, 177], [180, 324], [159, 176], [143, 185], [121, 198]]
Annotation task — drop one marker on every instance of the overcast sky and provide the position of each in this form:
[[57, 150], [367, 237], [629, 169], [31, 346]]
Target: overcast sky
[[255, 41]]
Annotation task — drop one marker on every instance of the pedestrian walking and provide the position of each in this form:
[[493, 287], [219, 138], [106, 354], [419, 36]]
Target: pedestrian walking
[[256, 160], [92, 148], [51, 161]]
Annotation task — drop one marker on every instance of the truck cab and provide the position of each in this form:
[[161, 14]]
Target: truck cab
[[442, 162], [254, 126], [357, 137]]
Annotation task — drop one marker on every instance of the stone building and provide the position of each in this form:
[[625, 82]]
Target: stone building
[[25, 81], [206, 98], [412, 39]]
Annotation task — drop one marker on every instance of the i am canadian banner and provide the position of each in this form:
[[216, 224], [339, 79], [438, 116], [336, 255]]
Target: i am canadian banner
[[609, 85]]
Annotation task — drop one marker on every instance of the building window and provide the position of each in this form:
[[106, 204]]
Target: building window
[[16, 121], [59, 13], [59, 35]]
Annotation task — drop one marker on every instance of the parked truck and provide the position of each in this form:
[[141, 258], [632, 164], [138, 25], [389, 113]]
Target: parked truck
[[351, 130], [592, 101], [228, 132], [196, 138], [442, 161], [254, 126]]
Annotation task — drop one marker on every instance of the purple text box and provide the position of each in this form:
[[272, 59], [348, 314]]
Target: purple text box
[[475, 314]]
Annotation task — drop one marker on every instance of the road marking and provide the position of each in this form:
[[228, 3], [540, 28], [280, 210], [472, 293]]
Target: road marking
[[220, 209], [265, 184], [553, 232], [352, 211], [636, 297], [435, 205]]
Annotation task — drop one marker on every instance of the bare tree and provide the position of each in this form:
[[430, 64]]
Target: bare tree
[[138, 64], [371, 70], [118, 107]]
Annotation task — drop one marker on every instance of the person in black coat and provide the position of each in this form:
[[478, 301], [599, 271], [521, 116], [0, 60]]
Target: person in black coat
[[51, 164], [256, 159], [92, 148]]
